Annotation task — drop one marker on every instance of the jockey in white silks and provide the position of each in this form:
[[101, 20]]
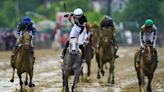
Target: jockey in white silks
[[148, 32], [78, 30], [84, 37]]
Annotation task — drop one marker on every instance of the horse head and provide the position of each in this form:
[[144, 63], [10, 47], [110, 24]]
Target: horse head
[[148, 51], [96, 33], [26, 39], [73, 45], [106, 35]]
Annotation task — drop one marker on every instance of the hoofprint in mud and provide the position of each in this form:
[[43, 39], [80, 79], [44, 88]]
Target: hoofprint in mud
[[48, 75]]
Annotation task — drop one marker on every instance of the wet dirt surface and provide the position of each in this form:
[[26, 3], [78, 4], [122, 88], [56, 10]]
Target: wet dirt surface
[[47, 74]]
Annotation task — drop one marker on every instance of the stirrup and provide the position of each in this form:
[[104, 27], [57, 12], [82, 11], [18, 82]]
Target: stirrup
[[62, 56], [116, 56]]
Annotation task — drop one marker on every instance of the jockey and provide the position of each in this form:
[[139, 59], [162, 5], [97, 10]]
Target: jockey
[[78, 28], [148, 32], [27, 25], [108, 22]]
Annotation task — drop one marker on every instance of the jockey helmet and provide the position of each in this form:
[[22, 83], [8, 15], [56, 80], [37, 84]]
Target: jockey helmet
[[149, 22], [106, 17], [78, 12], [26, 19]]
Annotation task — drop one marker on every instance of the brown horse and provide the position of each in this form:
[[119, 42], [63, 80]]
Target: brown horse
[[146, 66], [24, 60], [88, 55], [95, 38], [106, 54]]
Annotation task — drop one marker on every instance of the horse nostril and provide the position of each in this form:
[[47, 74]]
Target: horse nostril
[[73, 51]]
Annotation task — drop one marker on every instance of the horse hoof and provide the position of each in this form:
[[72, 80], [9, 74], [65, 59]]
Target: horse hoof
[[112, 82], [31, 85], [26, 83], [149, 90], [11, 80], [98, 77], [88, 78], [75, 90], [103, 73]]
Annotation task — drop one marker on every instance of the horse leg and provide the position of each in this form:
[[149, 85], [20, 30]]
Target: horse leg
[[30, 82], [111, 73], [26, 81], [20, 81], [142, 80], [150, 77], [89, 70], [89, 65], [113, 81], [63, 80], [12, 79], [139, 79], [98, 72], [101, 67], [65, 77], [76, 80]]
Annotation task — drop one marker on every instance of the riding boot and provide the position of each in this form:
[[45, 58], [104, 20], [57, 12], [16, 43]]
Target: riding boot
[[14, 52], [115, 48], [32, 53], [64, 50], [156, 56]]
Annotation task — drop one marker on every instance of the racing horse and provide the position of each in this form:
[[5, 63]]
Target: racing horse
[[105, 54], [145, 66], [72, 65], [24, 60], [88, 55]]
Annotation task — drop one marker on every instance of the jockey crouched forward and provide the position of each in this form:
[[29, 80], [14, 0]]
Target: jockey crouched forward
[[148, 32], [79, 28], [108, 22], [26, 24]]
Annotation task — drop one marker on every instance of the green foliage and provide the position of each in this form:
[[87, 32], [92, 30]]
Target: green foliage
[[29, 5], [139, 10], [7, 14], [86, 5], [94, 17]]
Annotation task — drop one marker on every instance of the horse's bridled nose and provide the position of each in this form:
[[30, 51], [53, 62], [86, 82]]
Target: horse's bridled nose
[[73, 52]]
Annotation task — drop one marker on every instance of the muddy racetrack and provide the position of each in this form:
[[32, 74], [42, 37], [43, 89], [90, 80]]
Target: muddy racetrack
[[47, 74]]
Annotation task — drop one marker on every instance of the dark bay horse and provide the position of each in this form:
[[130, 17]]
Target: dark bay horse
[[95, 37], [72, 65], [106, 54], [24, 60], [145, 67], [88, 55]]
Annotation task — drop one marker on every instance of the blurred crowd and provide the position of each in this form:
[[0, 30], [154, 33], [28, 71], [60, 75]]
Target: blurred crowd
[[58, 36], [8, 39]]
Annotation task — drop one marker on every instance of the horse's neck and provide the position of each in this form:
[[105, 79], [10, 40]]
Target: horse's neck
[[147, 55], [107, 48], [22, 54]]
